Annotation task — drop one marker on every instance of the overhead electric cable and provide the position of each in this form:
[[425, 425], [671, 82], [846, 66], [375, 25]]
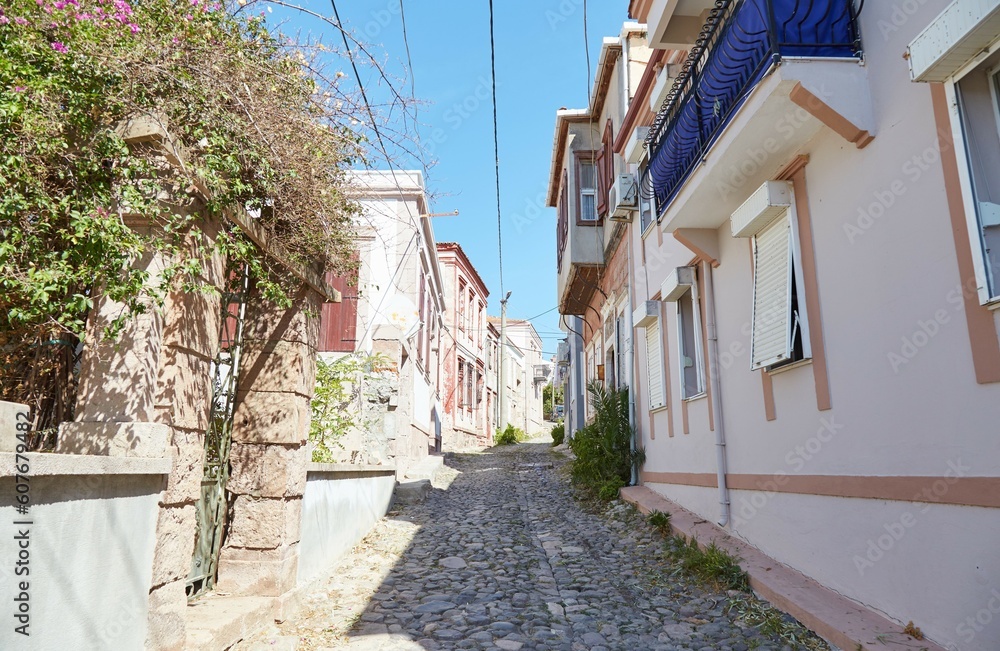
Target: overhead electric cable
[[496, 145]]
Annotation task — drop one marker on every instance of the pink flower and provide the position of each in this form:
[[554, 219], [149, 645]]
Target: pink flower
[[19, 89], [4, 20], [59, 47], [21, 21], [134, 28]]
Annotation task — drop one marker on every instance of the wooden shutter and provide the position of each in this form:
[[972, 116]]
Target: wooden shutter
[[654, 365], [339, 321], [772, 287]]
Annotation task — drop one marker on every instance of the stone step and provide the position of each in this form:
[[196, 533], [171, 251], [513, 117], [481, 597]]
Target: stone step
[[412, 491], [426, 468]]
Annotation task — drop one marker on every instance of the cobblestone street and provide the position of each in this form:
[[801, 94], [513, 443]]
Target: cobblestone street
[[501, 556]]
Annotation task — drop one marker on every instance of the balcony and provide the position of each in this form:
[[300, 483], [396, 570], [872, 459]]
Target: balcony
[[580, 234], [763, 77]]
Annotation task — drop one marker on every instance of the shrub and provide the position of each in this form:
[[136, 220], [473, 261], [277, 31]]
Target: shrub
[[509, 436], [335, 408], [604, 453], [558, 434], [609, 489]]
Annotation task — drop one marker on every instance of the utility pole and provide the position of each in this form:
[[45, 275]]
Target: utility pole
[[502, 380]]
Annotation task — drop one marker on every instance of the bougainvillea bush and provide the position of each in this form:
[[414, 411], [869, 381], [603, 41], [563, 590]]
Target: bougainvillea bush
[[252, 122]]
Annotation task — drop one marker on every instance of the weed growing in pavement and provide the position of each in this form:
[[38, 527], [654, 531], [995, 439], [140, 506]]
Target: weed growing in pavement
[[712, 564], [772, 622], [659, 521]]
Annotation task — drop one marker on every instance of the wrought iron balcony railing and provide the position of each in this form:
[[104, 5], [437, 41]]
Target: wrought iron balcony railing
[[736, 47]]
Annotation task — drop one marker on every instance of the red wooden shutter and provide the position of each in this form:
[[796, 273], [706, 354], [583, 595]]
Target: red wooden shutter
[[338, 322]]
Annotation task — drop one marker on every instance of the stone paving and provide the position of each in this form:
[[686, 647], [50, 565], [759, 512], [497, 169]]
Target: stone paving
[[506, 558]]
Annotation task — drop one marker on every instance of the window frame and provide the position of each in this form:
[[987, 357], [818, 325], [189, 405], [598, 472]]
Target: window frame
[[656, 405], [588, 157], [650, 202], [698, 360], [987, 287], [798, 317]]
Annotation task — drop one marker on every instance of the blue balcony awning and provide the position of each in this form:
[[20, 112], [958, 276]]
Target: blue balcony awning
[[735, 50]]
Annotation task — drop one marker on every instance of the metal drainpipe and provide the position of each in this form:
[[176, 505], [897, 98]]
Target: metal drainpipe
[[631, 357], [713, 365]]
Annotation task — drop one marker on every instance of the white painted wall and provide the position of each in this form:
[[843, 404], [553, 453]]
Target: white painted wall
[[91, 559], [338, 510]]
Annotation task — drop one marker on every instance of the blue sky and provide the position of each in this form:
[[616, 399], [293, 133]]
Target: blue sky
[[541, 66]]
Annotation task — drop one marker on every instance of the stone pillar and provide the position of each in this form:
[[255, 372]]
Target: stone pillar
[[192, 324], [268, 457], [117, 391]]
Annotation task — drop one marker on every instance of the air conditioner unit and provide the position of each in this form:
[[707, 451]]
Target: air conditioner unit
[[623, 198], [769, 201], [646, 314], [677, 283]]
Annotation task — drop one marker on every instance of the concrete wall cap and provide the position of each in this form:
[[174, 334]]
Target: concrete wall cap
[[349, 468], [46, 463]]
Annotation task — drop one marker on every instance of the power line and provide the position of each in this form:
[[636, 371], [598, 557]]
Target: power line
[[496, 144], [542, 314], [413, 89]]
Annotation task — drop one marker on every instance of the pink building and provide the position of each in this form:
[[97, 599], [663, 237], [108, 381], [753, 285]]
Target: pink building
[[809, 314], [467, 421]]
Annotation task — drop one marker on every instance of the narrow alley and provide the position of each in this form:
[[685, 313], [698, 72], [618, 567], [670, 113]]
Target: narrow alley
[[502, 556]]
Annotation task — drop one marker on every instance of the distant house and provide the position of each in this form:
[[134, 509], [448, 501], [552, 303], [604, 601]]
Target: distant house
[[464, 339], [394, 305]]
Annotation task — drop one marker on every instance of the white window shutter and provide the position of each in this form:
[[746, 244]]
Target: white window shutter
[[654, 365], [772, 286]]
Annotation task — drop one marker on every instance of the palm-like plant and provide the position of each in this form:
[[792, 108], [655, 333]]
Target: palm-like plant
[[605, 456]]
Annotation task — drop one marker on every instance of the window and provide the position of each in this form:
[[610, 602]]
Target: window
[[978, 95], [778, 323], [461, 305], [470, 401], [647, 200], [605, 164], [423, 318], [460, 385], [654, 366], [471, 315], [588, 191], [692, 367], [562, 226]]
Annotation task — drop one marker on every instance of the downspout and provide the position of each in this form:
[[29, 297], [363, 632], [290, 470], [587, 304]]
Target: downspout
[[634, 381], [713, 366]]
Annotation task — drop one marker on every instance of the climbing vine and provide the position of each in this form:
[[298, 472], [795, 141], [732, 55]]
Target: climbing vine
[[244, 124]]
